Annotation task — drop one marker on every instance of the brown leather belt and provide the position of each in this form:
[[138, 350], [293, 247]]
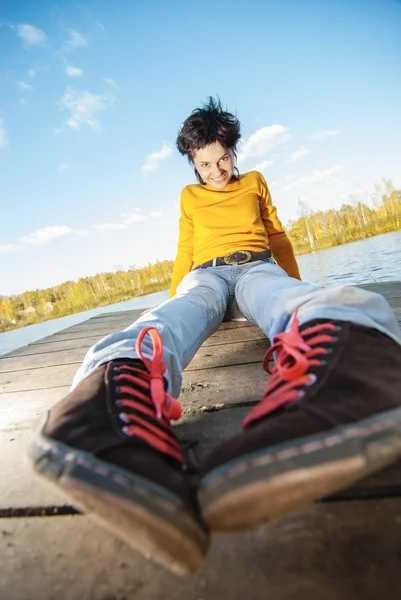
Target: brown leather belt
[[239, 257]]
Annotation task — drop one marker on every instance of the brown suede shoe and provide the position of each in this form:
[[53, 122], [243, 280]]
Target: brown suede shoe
[[110, 446], [330, 415]]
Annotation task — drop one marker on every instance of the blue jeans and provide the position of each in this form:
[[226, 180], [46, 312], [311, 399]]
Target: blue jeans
[[265, 295]]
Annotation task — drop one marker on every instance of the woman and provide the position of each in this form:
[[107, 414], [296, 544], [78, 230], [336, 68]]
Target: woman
[[331, 413]]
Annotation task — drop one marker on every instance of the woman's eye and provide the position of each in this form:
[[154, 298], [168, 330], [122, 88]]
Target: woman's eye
[[224, 159], [204, 166]]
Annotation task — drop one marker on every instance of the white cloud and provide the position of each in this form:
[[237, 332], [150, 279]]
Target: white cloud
[[110, 227], [31, 73], [74, 71], [49, 234], [31, 35], [263, 140], [26, 87], [133, 218], [83, 108], [75, 40], [263, 165], [153, 160], [156, 213], [56, 130], [111, 82], [298, 154], [6, 248], [315, 177], [322, 135], [3, 136], [64, 166]]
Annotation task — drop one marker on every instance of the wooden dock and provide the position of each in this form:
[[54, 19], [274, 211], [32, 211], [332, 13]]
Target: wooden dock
[[344, 548]]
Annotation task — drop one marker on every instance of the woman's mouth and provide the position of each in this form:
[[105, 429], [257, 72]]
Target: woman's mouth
[[219, 179]]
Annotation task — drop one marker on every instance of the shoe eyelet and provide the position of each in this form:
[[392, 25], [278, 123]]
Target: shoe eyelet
[[338, 328], [329, 350], [126, 431], [323, 363], [301, 394], [334, 338], [312, 379], [123, 417]]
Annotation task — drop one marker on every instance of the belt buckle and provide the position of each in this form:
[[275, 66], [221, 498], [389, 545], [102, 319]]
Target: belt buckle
[[234, 257]]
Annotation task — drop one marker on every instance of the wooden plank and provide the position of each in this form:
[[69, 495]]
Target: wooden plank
[[388, 289], [248, 334], [76, 335], [200, 432], [55, 345], [50, 347], [19, 486], [58, 375], [14, 364], [104, 331], [328, 552], [231, 352], [101, 324], [19, 410], [38, 379], [209, 388]]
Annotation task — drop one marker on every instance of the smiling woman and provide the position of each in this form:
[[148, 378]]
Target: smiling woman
[[332, 403]]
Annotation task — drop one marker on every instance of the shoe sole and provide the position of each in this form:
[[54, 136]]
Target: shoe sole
[[264, 485], [148, 517]]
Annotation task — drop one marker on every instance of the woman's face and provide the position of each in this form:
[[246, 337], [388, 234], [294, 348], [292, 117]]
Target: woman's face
[[215, 164]]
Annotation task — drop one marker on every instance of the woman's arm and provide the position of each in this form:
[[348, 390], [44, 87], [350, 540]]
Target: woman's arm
[[184, 259], [279, 243]]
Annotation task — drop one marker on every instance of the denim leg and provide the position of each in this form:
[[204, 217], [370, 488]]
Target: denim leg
[[184, 322], [268, 298]]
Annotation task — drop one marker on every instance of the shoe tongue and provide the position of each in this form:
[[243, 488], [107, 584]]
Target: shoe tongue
[[129, 362]]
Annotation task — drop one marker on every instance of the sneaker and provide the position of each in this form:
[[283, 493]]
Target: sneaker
[[109, 445], [330, 415]]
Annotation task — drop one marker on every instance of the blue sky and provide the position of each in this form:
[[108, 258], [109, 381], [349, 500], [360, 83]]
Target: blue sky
[[92, 95]]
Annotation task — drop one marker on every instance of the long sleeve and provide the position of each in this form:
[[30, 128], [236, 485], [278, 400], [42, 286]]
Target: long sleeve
[[184, 259], [279, 243]]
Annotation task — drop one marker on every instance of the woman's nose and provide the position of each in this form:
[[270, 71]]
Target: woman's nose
[[216, 171]]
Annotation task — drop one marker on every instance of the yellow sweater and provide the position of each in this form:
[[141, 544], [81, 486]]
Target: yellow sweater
[[214, 223]]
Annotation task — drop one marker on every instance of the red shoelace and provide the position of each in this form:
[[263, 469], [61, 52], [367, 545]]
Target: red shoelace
[[294, 357], [153, 402]]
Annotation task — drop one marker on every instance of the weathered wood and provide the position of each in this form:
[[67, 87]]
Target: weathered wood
[[199, 431], [18, 410], [50, 347], [208, 388], [231, 352], [328, 552], [389, 289], [19, 487]]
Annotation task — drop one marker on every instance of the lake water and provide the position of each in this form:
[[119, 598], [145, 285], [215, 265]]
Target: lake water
[[365, 261]]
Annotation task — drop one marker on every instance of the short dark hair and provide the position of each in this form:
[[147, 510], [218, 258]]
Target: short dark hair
[[207, 125]]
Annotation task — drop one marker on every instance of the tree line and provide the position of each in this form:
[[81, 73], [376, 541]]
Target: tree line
[[312, 230], [317, 230], [86, 293]]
